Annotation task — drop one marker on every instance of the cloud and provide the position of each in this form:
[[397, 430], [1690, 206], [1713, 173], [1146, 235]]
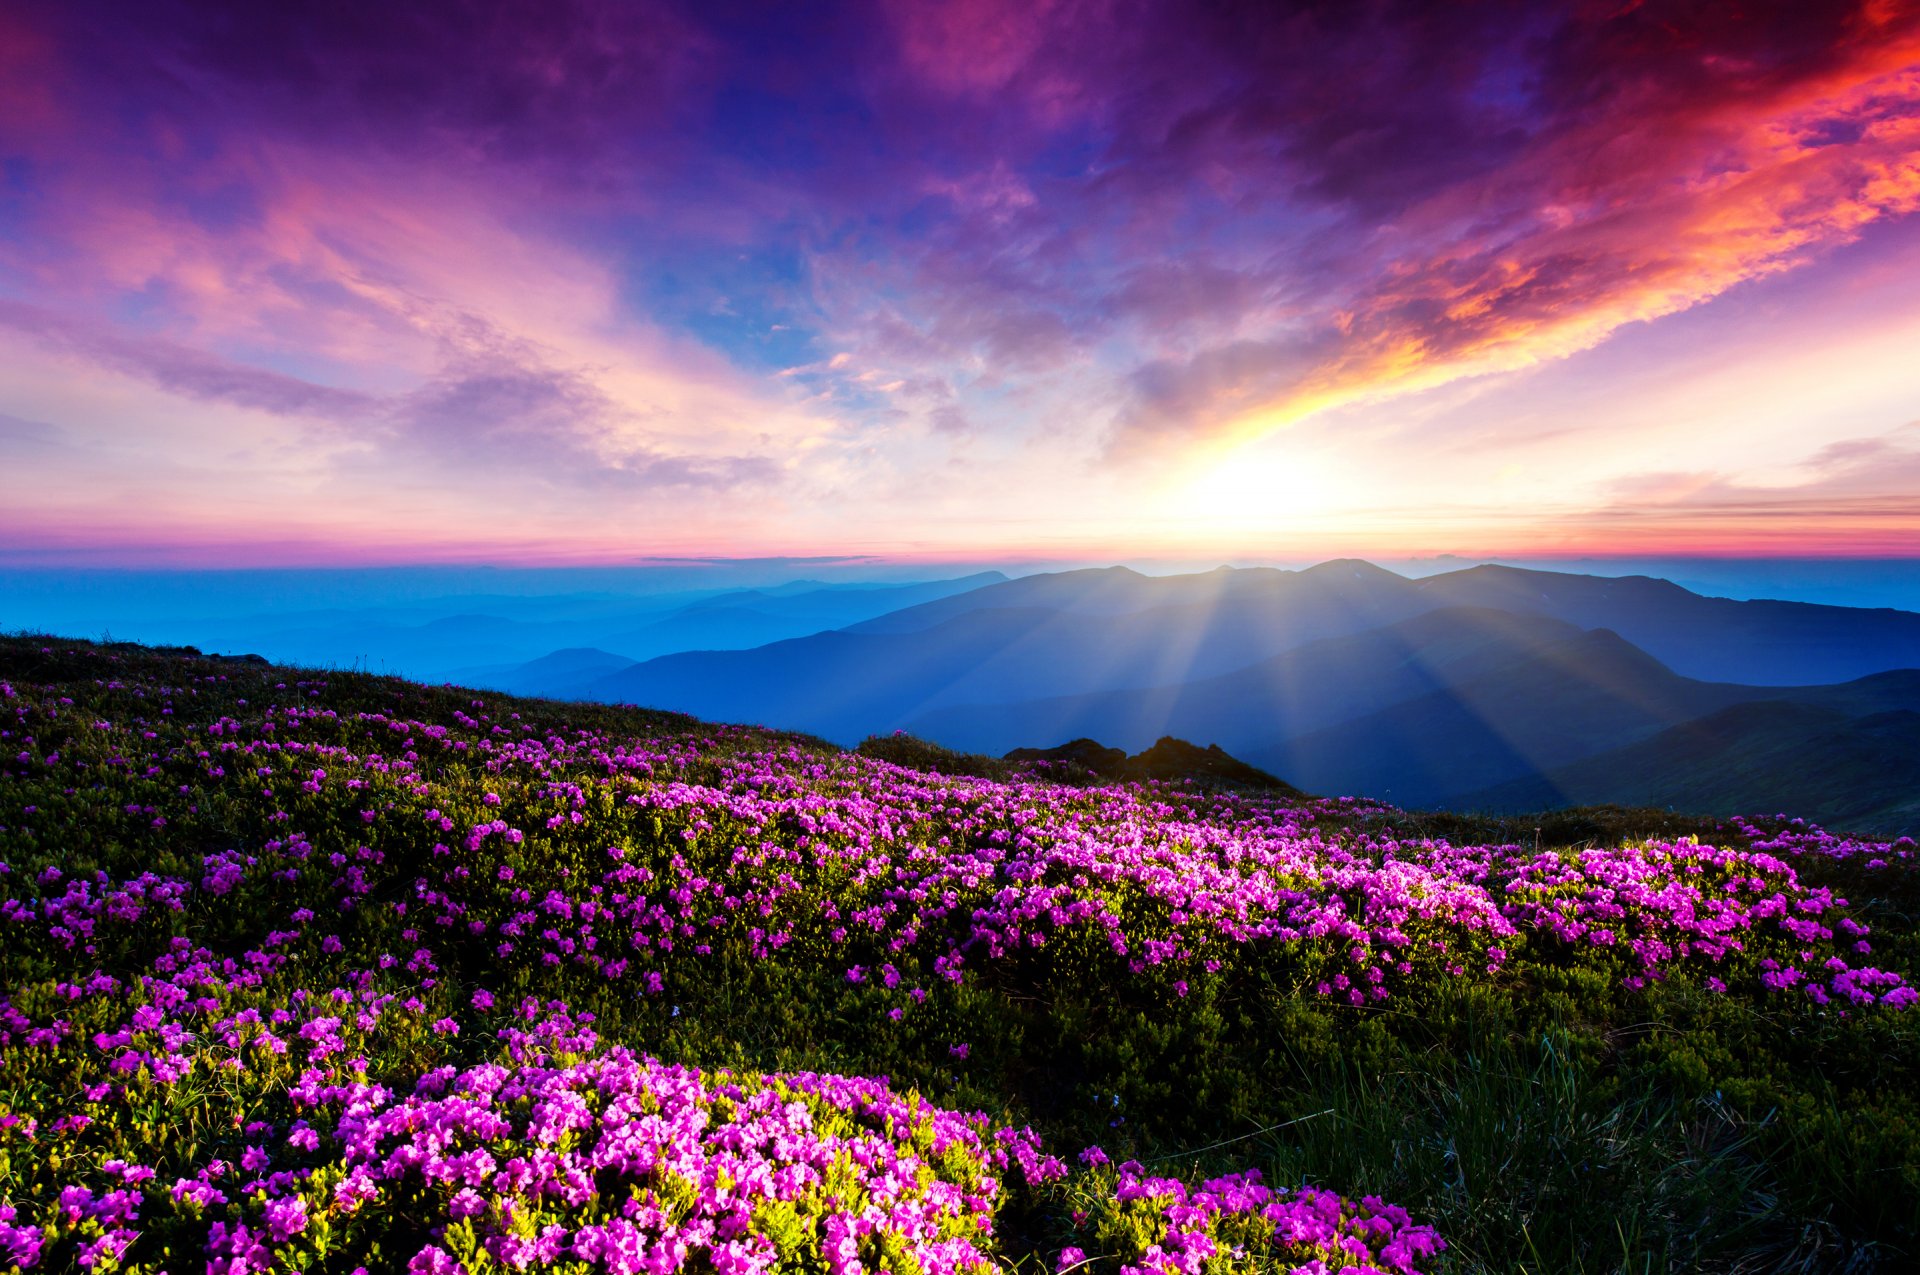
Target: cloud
[[1642, 190], [558, 426], [975, 47], [180, 369], [497, 411], [1890, 458], [546, 84], [1279, 210], [837, 257], [26, 438], [1854, 486], [406, 307], [490, 413]]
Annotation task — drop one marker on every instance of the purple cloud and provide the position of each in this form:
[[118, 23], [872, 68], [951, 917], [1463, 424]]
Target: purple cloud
[[183, 369], [607, 246]]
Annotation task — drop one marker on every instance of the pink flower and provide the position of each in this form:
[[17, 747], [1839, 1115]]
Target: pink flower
[[286, 1217]]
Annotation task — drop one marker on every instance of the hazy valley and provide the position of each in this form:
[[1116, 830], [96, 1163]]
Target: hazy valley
[[1490, 688]]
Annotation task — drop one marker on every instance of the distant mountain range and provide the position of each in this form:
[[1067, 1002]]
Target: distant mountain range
[[483, 640], [1489, 688]]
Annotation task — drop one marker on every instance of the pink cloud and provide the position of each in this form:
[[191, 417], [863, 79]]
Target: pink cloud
[[973, 46], [184, 370], [1618, 221]]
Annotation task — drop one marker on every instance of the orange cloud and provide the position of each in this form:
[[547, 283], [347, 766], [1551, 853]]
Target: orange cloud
[[1741, 191]]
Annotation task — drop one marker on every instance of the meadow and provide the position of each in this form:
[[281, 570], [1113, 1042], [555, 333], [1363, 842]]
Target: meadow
[[325, 972]]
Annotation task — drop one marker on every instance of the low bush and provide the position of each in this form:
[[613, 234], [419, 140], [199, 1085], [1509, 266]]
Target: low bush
[[292, 960]]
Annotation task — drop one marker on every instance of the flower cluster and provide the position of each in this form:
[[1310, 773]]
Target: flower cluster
[[615, 1160], [1160, 1226], [622, 855], [299, 973]]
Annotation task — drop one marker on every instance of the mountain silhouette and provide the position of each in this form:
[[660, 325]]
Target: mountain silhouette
[[1812, 761], [1343, 678]]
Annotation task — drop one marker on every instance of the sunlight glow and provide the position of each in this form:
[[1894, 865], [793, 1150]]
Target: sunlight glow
[[1251, 488]]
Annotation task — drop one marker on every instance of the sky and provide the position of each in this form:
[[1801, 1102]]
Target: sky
[[324, 282]]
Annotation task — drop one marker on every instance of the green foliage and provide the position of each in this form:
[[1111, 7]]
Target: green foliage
[[1546, 1118], [914, 753]]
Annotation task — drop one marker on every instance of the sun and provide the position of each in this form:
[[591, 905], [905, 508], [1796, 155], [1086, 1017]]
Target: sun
[[1252, 488]]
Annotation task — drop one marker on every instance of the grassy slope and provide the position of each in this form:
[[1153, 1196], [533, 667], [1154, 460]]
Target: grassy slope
[[1548, 1119], [1859, 773]]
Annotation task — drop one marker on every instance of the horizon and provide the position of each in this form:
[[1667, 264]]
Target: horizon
[[348, 286], [203, 606]]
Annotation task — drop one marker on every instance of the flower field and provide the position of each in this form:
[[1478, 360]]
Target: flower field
[[320, 972]]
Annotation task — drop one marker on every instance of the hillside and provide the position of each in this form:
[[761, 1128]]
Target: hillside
[[1764, 643], [1343, 595], [478, 637], [287, 953], [1589, 703], [1543, 707], [1850, 771], [552, 675], [1079, 632], [1168, 759]]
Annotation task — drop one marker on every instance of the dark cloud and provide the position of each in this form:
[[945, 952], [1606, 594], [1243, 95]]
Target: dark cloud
[[1370, 106], [515, 78], [1487, 186], [1233, 205]]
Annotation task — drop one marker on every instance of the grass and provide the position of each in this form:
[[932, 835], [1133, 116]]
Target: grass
[[1544, 1119]]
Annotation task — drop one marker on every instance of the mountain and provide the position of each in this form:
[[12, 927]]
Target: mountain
[[1314, 685], [1534, 709], [754, 617], [1809, 760], [1343, 677], [1448, 702], [1412, 711], [1762, 643], [872, 678], [440, 638], [551, 676], [1116, 591], [487, 639]]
